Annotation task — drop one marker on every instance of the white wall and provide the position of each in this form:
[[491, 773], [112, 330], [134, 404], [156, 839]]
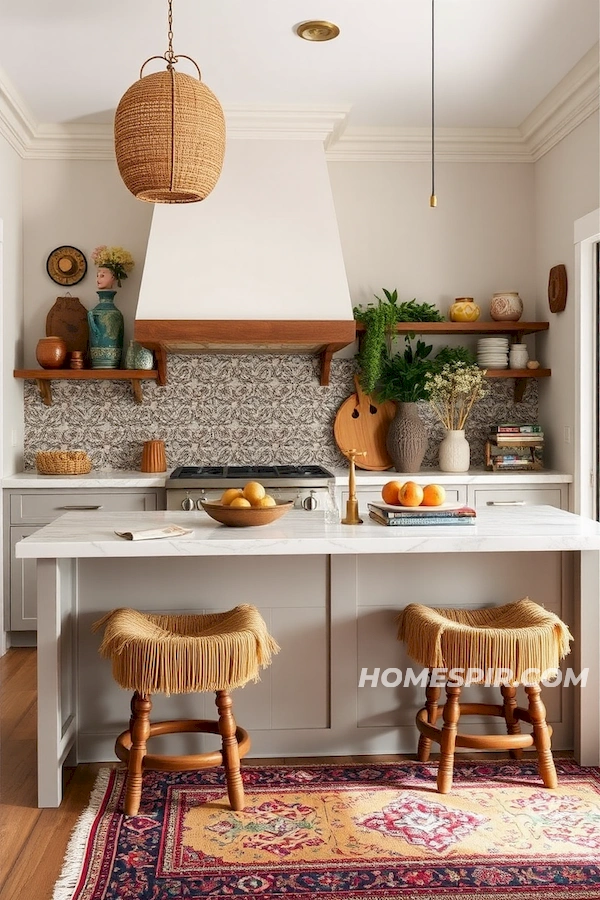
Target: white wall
[[566, 188], [11, 318], [478, 240], [83, 204]]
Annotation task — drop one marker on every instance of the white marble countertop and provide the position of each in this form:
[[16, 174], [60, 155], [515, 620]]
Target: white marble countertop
[[120, 478], [109, 478], [498, 529]]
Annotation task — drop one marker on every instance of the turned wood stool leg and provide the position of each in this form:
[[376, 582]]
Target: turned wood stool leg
[[448, 739], [432, 696], [541, 736], [230, 749], [139, 728], [513, 726]]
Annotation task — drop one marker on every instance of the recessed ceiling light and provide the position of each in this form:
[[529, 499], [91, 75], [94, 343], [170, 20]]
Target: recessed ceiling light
[[317, 31]]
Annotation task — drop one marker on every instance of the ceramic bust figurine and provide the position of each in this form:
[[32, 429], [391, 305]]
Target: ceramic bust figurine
[[105, 279]]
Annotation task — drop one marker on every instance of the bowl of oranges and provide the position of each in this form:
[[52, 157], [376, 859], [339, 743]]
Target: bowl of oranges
[[250, 505]]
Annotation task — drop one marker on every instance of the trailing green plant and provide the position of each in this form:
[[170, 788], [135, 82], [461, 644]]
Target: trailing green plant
[[403, 376], [379, 321]]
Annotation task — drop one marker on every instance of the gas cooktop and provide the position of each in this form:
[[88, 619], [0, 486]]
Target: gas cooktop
[[298, 474]]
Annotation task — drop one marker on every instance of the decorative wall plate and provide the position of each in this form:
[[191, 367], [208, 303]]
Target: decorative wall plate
[[557, 288], [66, 265]]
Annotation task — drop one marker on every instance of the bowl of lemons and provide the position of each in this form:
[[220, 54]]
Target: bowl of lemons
[[250, 505]]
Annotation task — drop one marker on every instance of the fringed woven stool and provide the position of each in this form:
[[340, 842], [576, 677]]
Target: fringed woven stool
[[522, 639], [181, 654]]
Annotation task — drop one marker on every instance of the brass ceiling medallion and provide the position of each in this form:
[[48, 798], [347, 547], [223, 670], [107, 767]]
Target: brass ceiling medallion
[[66, 265], [317, 31], [169, 133]]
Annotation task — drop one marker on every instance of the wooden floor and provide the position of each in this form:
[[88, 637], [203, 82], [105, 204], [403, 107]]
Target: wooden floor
[[33, 841]]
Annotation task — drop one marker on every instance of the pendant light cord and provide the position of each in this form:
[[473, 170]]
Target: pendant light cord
[[433, 198]]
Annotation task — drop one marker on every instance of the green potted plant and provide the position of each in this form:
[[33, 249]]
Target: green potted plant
[[379, 321], [403, 378], [406, 378]]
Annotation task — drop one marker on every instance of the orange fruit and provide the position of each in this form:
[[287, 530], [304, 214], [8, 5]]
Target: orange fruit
[[411, 494], [240, 501], [229, 495], [433, 495], [254, 491], [390, 492], [267, 501]]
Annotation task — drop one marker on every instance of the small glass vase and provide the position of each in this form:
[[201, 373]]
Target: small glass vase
[[454, 452]]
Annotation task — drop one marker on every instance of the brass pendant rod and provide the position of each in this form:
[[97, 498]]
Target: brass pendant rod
[[433, 198]]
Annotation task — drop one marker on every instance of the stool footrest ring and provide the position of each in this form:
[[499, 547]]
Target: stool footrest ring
[[480, 741], [164, 763]]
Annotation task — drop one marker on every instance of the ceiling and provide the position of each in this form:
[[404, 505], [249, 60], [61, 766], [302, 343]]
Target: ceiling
[[70, 61]]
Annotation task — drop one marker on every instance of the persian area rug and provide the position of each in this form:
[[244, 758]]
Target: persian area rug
[[353, 832]]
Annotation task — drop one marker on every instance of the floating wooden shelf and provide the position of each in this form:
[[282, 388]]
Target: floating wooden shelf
[[44, 378], [516, 329]]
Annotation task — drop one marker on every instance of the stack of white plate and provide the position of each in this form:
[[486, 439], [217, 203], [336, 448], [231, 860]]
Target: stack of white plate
[[492, 353]]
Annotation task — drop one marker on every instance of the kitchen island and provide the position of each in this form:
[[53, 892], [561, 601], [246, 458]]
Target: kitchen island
[[330, 595]]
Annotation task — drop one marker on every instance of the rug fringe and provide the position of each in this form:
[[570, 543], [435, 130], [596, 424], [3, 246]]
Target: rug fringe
[[75, 853]]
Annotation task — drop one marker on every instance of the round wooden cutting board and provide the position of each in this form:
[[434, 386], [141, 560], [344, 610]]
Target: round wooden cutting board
[[363, 424]]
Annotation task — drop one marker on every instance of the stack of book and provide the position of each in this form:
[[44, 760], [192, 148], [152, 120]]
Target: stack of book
[[447, 514], [514, 446]]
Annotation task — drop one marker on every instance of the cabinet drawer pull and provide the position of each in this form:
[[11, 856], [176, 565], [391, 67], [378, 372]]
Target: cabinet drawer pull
[[505, 503], [79, 507]]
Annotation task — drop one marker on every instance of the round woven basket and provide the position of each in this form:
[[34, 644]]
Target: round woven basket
[[169, 138], [63, 462]]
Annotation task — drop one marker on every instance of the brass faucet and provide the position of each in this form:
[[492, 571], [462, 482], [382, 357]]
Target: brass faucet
[[352, 517]]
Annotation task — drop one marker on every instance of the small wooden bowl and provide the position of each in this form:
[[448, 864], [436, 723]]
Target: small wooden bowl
[[242, 516]]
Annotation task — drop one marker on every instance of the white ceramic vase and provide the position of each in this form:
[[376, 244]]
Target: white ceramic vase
[[454, 452], [506, 307]]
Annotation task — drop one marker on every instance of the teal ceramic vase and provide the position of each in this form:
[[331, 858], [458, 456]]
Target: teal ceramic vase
[[106, 332]]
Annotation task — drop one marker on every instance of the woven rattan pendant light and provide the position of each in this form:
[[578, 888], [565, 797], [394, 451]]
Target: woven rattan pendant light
[[169, 134]]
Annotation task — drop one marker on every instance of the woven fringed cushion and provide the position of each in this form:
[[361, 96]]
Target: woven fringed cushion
[[178, 654], [520, 636]]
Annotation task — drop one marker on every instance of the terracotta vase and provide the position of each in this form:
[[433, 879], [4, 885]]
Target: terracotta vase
[[51, 352], [407, 438]]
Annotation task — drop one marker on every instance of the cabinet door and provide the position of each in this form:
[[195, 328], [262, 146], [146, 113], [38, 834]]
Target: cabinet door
[[23, 585], [29, 511], [517, 495]]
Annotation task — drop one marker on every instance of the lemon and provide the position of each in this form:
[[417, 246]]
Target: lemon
[[240, 501], [254, 491], [267, 500], [229, 495]]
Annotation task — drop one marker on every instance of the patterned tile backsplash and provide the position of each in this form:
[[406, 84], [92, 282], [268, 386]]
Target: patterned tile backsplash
[[218, 409]]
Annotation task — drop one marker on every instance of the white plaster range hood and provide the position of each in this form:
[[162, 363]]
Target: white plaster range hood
[[256, 267]]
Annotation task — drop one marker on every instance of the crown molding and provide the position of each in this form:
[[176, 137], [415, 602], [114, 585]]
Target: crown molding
[[565, 107], [571, 102], [414, 145]]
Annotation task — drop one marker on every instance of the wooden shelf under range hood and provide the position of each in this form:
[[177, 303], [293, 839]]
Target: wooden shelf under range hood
[[322, 338]]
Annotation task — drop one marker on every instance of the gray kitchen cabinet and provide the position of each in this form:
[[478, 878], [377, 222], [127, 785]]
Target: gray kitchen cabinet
[[519, 495], [27, 510]]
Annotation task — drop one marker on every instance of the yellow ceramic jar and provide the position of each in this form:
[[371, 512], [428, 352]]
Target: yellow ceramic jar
[[464, 309]]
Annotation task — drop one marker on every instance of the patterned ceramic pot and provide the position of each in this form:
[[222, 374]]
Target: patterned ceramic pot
[[51, 352], [106, 332], [506, 306], [464, 309]]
